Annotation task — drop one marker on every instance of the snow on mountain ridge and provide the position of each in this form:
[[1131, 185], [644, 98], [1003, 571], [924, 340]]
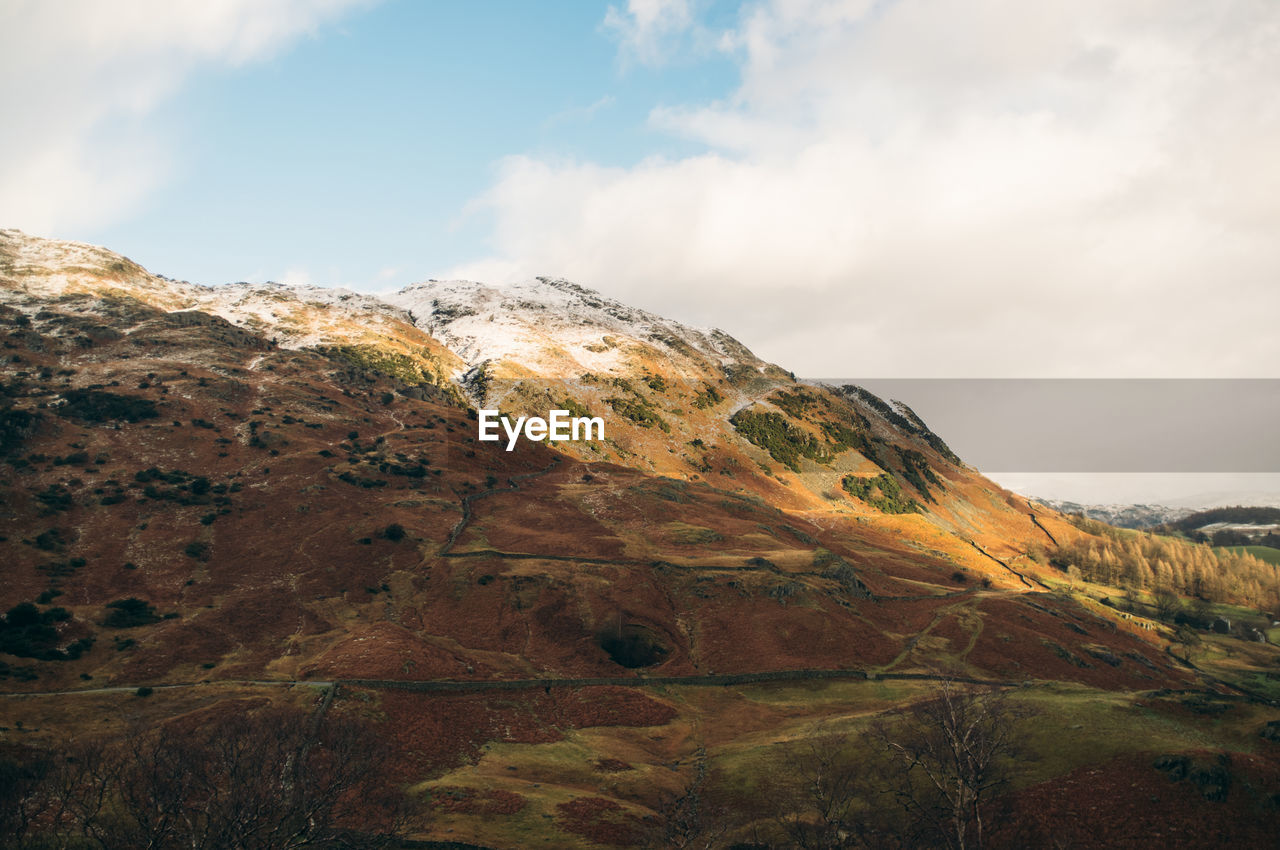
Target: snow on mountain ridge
[[545, 326], [1138, 516], [553, 324], [295, 316]]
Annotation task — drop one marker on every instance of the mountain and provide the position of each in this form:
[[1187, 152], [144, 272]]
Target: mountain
[[220, 501], [1121, 516], [557, 329]]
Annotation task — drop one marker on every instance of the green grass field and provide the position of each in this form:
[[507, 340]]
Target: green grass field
[[1263, 553]]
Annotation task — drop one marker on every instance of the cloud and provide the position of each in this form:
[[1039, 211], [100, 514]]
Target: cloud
[[987, 188], [82, 77], [647, 29]]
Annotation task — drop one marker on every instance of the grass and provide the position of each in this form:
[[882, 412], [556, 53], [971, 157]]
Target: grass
[[1263, 553], [1075, 726], [690, 535], [547, 775], [1069, 726], [1259, 683]]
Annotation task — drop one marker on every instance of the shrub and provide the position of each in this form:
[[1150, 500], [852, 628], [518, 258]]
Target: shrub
[[915, 468], [639, 411], [881, 492], [784, 442], [130, 612], [92, 406], [575, 409], [27, 632], [197, 549], [707, 397], [15, 427], [55, 498], [50, 540]]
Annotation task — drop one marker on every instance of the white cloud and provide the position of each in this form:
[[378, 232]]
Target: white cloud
[[980, 188], [73, 67], [645, 30]]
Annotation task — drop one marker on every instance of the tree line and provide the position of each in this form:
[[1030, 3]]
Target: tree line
[[1145, 561], [274, 779]]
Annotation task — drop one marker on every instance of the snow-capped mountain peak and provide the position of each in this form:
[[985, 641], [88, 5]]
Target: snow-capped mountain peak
[[556, 327]]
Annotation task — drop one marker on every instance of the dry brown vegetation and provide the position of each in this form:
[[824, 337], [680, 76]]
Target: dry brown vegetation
[[195, 517]]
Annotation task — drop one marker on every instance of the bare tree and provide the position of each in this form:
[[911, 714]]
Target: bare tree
[[837, 795], [24, 800], [79, 788], [690, 818], [275, 779], [953, 752], [1167, 604], [267, 781]]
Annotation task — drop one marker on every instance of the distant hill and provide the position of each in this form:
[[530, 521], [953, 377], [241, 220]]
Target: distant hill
[[1237, 515], [1121, 516], [1238, 527]]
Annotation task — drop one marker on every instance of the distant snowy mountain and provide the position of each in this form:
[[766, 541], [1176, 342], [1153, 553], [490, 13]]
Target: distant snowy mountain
[[1121, 516], [1149, 516]]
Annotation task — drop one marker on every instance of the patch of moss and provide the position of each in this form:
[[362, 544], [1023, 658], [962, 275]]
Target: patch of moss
[[784, 442], [576, 409], [795, 402], [639, 411], [420, 369], [881, 492]]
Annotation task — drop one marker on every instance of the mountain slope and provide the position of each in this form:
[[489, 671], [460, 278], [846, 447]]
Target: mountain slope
[[34, 270], [680, 402], [225, 510], [299, 431]]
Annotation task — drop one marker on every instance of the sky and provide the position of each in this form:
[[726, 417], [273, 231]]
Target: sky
[[881, 188], [976, 188]]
